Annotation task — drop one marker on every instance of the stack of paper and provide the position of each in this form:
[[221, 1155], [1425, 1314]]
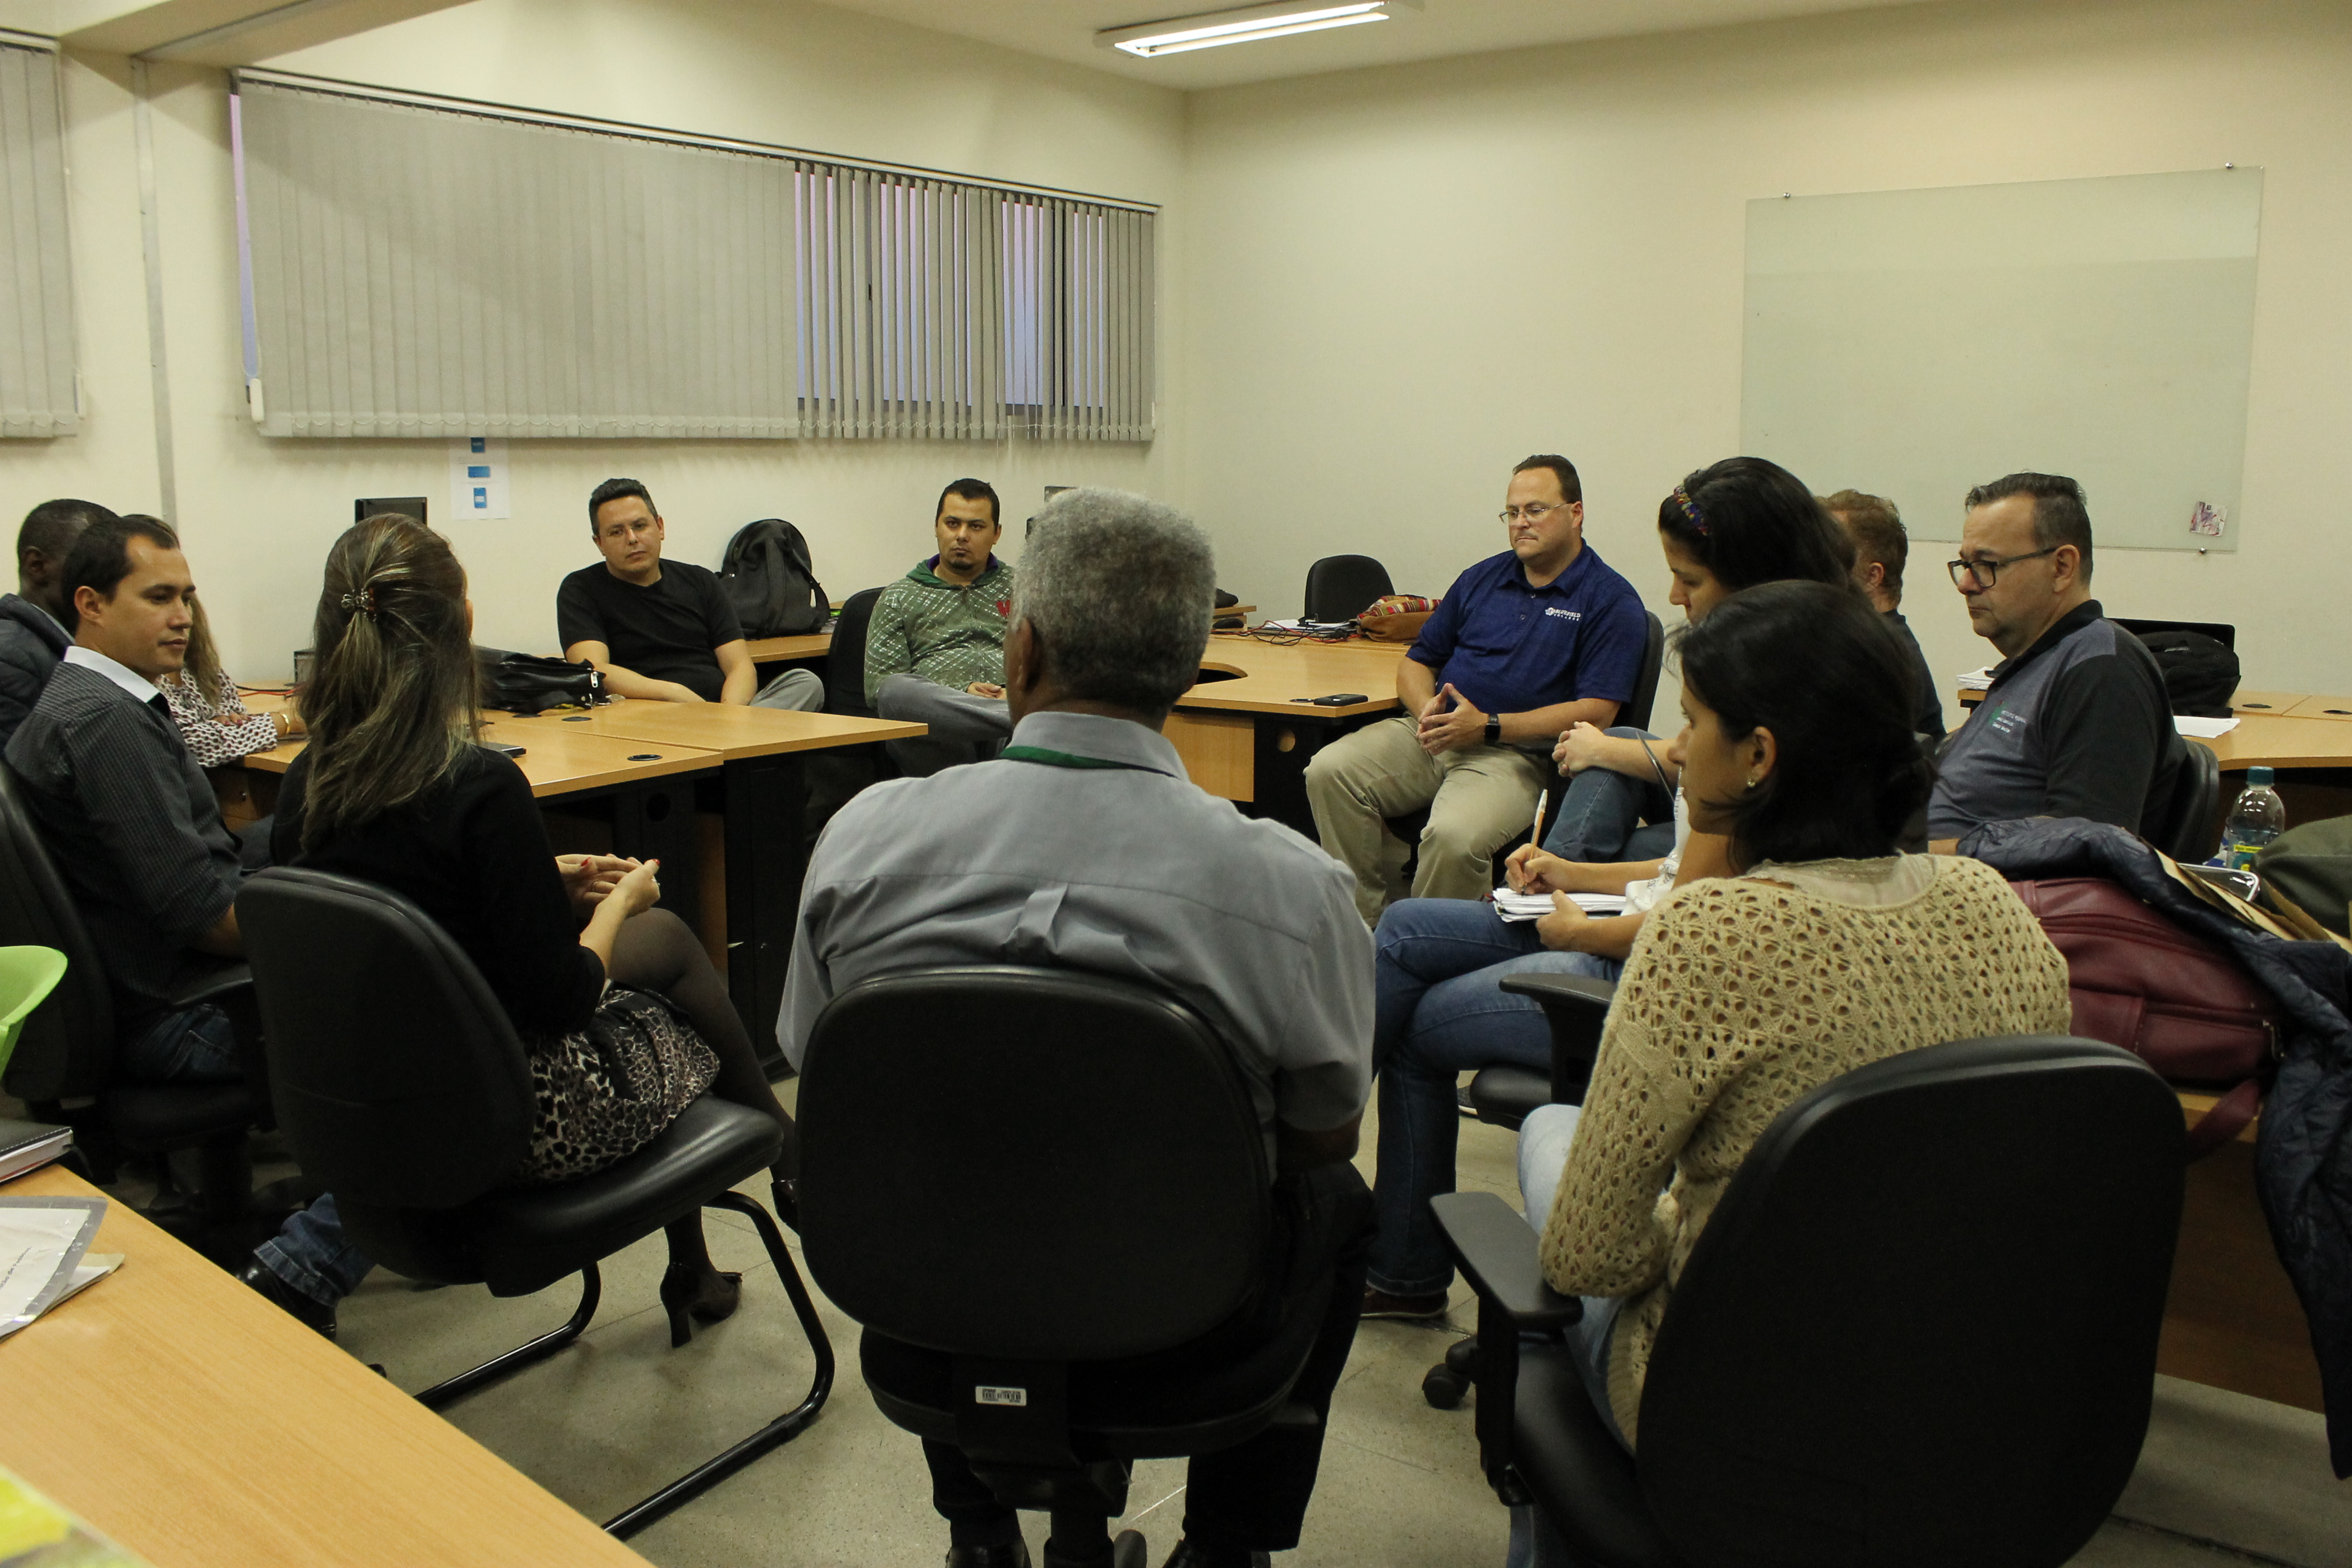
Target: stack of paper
[[2204, 729], [45, 1256], [1517, 907], [1976, 680], [24, 1145]]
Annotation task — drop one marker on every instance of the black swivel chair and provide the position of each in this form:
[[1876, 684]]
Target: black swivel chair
[[68, 1050], [1338, 587], [844, 661], [1919, 1330], [405, 1094], [1638, 707], [2188, 828], [1079, 1159]]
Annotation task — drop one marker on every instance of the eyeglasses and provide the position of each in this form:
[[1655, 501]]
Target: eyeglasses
[[1532, 513], [1983, 570]]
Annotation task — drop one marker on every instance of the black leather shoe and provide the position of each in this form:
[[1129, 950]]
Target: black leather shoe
[[309, 1313], [1187, 1555], [1015, 1555]]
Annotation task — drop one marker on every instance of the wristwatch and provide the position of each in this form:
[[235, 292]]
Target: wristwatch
[[1494, 729]]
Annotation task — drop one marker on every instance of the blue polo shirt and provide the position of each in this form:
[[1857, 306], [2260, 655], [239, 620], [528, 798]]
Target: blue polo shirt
[[1508, 647]]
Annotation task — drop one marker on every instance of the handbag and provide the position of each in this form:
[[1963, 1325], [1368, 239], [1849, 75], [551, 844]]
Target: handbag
[[529, 683], [2177, 1002], [1394, 617]]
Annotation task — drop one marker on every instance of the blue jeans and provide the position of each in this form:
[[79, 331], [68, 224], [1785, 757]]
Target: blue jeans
[[1439, 1009], [1544, 1139], [197, 1045], [1599, 818]]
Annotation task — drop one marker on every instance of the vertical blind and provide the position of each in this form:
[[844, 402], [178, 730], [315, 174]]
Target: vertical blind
[[422, 270], [36, 335]]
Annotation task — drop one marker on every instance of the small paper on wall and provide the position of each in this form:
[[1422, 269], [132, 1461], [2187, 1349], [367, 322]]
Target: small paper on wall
[[478, 477], [2208, 519]]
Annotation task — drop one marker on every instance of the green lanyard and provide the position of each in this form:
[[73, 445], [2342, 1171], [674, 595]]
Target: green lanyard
[[1066, 760]]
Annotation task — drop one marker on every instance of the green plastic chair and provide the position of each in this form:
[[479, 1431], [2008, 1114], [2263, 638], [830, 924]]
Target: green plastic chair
[[27, 976]]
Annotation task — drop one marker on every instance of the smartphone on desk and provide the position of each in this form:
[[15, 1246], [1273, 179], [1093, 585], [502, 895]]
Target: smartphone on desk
[[504, 750], [1336, 700]]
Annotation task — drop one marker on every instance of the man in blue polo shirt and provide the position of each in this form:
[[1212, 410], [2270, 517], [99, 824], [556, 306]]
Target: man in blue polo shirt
[[1524, 644]]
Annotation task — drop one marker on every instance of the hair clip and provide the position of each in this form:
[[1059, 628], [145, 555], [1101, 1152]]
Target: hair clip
[[360, 602], [1690, 509]]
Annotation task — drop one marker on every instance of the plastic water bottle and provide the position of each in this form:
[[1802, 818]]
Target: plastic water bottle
[[2258, 817]]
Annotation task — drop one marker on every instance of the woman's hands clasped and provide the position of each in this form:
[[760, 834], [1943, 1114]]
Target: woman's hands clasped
[[590, 880]]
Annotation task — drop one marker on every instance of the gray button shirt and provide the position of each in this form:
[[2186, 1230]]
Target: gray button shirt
[[1135, 874]]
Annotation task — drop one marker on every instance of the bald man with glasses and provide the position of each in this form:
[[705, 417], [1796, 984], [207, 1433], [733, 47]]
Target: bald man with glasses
[[1525, 643], [2075, 722]]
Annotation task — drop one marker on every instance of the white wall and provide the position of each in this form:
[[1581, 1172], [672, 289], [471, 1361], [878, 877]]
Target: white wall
[[259, 513], [1402, 280]]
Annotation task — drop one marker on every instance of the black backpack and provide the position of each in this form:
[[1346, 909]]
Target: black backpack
[[2200, 675], [771, 582]]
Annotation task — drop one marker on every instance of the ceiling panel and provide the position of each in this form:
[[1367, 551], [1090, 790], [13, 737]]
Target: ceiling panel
[[1064, 30]]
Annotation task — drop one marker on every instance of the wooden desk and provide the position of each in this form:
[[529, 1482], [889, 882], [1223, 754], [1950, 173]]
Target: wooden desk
[[558, 762], [184, 1416], [2321, 708], [1244, 737], [781, 650], [2231, 1319], [2262, 740], [763, 790]]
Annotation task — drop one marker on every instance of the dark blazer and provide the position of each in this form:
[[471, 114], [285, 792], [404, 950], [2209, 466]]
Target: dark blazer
[[30, 646]]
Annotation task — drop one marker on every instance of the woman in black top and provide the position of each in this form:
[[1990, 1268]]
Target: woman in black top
[[623, 1017]]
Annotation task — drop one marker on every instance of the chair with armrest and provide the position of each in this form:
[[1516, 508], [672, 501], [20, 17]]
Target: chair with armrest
[[1082, 1156], [1576, 1006], [406, 1094], [1920, 1329], [2189, 826], [1338, 587], [1633, 713], [63, 1066]]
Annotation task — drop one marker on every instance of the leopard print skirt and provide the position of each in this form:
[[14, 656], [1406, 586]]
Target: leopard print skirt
[[603, 1092]]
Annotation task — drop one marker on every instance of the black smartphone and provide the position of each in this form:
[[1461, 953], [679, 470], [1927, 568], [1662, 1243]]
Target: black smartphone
[[1338, 699], [503, 749]]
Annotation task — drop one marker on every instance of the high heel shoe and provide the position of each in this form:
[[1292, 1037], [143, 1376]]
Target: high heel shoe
[[690, 1293]]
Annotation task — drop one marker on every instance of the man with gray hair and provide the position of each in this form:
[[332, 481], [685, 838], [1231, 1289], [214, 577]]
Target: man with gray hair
[[1151, 879]]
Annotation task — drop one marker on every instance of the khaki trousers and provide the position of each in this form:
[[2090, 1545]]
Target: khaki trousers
[[1478, 796]]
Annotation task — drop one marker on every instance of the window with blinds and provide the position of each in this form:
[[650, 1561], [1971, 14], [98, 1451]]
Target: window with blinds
[[422, 268], [36, 321]]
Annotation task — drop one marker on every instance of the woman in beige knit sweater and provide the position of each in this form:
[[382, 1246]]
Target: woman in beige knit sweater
[[1827, 949]]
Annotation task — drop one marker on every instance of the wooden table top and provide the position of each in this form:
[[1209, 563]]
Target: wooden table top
[[559, 760], [182, 1416], [731, 732], [2264, 740], [2337, 707], [809, 645], [1269, 674]]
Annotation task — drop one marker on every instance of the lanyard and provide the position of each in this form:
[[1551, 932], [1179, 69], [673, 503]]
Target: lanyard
[[1052, 759]]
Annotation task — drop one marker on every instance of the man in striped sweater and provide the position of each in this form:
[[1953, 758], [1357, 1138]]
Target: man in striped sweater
[[935, 648]]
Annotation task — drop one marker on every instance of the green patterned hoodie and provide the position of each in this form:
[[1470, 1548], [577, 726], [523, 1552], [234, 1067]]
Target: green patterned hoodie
[[926, 625]]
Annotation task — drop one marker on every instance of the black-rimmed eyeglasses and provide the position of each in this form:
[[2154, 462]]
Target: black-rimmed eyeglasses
[[1985, 569], [1511, 514]]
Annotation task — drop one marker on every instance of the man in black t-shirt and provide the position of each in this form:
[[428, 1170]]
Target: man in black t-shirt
[[660, 630]]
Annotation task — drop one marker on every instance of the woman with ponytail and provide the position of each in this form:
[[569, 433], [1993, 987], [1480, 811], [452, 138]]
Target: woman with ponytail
[[1820, 947], [623, 1016]]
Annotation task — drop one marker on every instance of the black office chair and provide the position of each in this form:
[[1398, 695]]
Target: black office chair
[[1639, 707], [1920, 1329], [1080, 1159], [68, 1052], [1576, 1007], [1338, 587], [406, 1094], [844, 661], [2188, 828]]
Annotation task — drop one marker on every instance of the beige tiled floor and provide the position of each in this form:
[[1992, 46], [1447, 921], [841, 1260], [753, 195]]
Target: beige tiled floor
[[2223, 1480]]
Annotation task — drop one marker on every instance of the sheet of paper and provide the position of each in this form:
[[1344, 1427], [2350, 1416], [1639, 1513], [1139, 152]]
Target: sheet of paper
[[1517, 907], [478, 477], [1976, 680], [2204, 729], [41, 1242]]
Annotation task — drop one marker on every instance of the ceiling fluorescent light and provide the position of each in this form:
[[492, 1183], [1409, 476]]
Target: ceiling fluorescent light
[[1246, 24]]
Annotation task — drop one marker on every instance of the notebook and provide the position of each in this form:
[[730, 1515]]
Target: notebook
[[28, 1145]]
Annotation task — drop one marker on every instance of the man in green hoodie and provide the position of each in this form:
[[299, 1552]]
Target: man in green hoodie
[[935, 648]]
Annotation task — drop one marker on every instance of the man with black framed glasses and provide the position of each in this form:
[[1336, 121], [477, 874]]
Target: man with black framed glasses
[[2075, 722], [1524, 644]]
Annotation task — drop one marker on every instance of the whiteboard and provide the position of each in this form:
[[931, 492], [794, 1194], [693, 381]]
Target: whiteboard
[[1915, 343]]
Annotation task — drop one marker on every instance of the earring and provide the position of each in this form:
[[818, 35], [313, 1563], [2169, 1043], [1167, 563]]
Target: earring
[[1753, 783]]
